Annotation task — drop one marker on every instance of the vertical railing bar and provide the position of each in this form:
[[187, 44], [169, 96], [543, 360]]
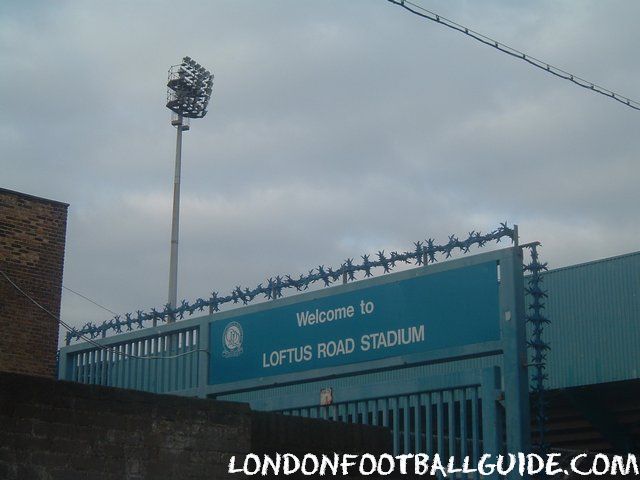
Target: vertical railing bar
[[195, 341], [372, 407], [120, 370], [463, 423], [103, 368], [406, 424], [74, 367], [184, 360], [385, 412], [452, 422], [199, 343], [428, 425], [353, 411], [85, 368], [168, 364], [134, 365], [440, 424], [127, 375], [94, 367], [147, 365], [396, 426], [112, 367], [86, 374], [178, 361], [153, 365], [187, 359], [175, 361], [341, 412], [121, 373], [475, 429], [140, 365], [100, 372], [131, 365], [364, 411], [417, 424], [90, 367], [157, 364], [173, 344], [107, 367], [163, 367]]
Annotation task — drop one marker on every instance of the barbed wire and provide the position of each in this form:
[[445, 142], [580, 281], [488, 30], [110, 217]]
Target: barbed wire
[[424, 252], [542, 65], [536, 344]]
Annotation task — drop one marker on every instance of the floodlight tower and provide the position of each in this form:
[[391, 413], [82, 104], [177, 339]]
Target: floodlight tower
[[188, 92]]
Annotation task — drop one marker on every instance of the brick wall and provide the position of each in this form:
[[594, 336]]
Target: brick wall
[[63, 430], [32, 241]]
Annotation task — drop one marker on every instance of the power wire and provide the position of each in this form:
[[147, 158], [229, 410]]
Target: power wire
[[89, 300], [547, 67], [89, 340]]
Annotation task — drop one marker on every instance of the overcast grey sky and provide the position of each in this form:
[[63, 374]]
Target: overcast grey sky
[[336, 128]]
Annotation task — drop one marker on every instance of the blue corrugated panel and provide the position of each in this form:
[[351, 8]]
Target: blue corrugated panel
[[595, 313]]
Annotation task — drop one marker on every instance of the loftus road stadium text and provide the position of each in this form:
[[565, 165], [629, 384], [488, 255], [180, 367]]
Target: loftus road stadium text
[[342, 346]]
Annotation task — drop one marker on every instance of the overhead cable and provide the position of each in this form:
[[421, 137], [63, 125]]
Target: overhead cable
[[542, 65], [87, 339]]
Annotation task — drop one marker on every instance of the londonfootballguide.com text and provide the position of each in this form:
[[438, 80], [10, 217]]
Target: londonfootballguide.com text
[[422, 464]]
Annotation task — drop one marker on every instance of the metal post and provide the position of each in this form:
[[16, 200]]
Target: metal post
[[516, 381], [175, 221]]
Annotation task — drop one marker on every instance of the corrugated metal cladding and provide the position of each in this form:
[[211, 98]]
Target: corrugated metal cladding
[[595, 313], [595, 333]]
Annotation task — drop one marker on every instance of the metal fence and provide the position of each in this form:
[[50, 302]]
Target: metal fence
[[171, 359], [433, 415]]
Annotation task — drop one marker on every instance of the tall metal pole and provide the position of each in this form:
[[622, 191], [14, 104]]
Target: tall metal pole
[[175, 221], [189, 87]]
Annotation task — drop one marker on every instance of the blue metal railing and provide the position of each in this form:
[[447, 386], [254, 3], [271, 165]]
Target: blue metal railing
[[168, 359]]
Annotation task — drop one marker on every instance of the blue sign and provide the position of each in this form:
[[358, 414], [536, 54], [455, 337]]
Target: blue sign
[[419, 314]]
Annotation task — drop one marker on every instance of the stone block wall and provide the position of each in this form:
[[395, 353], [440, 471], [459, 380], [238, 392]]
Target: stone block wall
[[55, 430]]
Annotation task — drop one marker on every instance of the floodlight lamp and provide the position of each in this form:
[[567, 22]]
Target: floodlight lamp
[[189, 89]]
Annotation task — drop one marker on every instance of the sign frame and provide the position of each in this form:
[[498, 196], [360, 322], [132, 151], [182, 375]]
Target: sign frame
[[508, 260]]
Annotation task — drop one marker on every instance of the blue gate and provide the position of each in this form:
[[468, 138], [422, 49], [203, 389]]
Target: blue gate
[[453, 382]]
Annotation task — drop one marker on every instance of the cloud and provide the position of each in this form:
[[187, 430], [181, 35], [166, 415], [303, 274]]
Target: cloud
[[335, 129]]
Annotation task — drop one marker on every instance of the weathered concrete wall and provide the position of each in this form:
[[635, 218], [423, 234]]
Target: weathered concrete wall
[[32, 242], [62, 430]]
